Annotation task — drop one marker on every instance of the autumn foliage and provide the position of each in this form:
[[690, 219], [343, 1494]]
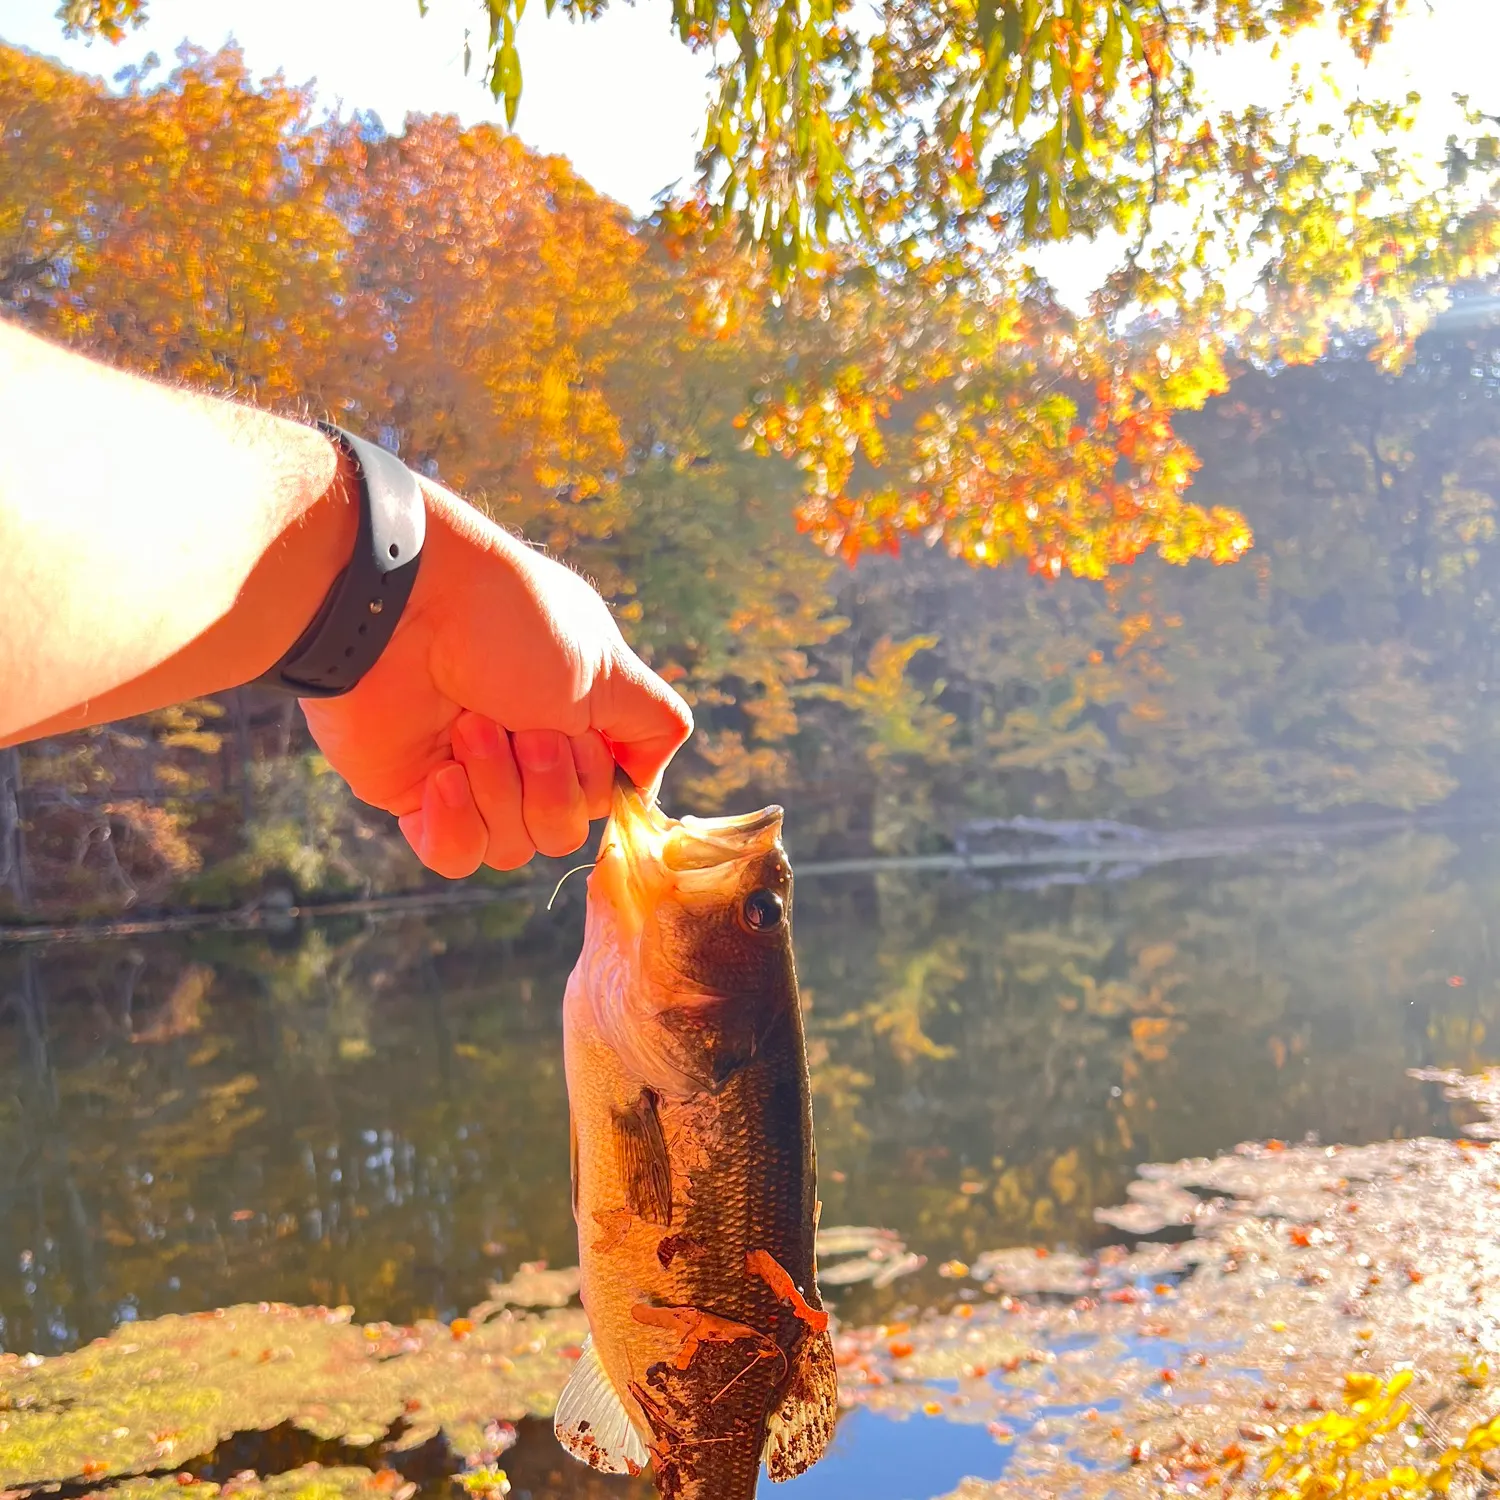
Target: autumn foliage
[[508, 327], [639, 398]]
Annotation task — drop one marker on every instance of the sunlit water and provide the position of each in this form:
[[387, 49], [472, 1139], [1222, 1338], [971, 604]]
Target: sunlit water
[[373, 1112]]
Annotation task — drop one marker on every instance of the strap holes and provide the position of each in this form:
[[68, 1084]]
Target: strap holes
[[395, 550], [348, 650]]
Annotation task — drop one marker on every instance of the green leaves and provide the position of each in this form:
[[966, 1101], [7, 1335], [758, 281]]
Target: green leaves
[[1083, 116], [505, 69]]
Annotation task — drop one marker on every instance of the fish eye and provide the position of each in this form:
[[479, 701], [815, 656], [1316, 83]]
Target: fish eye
[[763, 910]]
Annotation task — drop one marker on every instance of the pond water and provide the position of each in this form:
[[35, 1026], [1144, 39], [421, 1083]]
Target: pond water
[[372, 1111]]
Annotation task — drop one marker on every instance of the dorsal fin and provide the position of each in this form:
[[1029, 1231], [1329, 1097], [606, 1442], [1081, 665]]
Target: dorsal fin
[[801, 1426], [641, 1155], [592, 1423]]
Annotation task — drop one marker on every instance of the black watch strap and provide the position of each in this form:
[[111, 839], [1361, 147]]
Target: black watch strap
[[355, 622]]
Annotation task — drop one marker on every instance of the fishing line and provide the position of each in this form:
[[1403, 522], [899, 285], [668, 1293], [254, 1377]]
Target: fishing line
[[576, 868]]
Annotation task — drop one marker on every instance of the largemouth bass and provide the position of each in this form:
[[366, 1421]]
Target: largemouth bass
[[694, 1183]]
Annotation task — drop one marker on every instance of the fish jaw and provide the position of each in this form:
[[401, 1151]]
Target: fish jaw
[[635, 985], [647, 857]]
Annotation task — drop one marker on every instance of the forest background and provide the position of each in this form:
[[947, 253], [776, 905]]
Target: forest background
[[913, 559]]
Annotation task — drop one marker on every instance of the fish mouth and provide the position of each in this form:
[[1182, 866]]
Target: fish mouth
[[647, 837]]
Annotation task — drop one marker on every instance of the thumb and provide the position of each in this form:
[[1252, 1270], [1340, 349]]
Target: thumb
[[642, 718]]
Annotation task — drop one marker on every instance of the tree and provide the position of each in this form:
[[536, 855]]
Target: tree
[[638, 398], [959, 122], [489, 285], [918, 174]]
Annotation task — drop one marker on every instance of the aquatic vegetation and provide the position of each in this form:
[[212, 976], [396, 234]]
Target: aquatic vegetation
[[155, 1396], [307, 1482], [1327, 1328]]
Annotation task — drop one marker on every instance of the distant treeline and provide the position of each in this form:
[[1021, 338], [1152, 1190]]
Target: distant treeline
[[516, 335]]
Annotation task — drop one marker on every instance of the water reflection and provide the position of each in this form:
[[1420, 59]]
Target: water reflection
[[374, 1113]]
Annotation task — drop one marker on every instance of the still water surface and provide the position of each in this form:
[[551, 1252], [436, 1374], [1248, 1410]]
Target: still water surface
[[373, 1112]]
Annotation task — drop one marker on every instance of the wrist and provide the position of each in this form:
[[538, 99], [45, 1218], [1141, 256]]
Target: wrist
[[304, 562], [462, 548], [360, 613]]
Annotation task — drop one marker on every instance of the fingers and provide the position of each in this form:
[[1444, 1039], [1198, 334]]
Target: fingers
[[596, 772], [553, 806], [505, 797], [448, 834], [641, 717], [483, 749]]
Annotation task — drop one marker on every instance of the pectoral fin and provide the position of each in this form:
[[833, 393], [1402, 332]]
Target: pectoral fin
[[573, 1160], [801, 1426], [641, 1154], [592, 1423]]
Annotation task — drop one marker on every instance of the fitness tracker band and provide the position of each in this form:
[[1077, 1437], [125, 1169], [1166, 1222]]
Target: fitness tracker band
[[357, 619]]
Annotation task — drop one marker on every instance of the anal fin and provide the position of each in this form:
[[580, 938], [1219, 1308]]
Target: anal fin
[[801, 1427], [592, 1423]]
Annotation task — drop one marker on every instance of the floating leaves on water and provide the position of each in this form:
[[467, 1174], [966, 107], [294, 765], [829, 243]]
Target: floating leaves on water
[[849, 1239], [309, 1482], [1315, 1277], [533, 1285], [1254, 1182], [1026, 1271], [1153, 1207], [1179, 1367], [879, 1257], [1482, 1089], [157, 1394]]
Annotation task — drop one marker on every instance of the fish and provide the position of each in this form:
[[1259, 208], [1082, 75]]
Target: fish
[[693, 1168]]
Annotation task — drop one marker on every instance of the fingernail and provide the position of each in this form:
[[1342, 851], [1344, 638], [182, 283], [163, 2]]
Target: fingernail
[[538, 749], [453, 786], [480, 735]]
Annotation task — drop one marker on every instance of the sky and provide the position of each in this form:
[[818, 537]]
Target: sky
[[620, 96]]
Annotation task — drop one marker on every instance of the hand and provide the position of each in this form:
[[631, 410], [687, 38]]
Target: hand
[[493, 721]]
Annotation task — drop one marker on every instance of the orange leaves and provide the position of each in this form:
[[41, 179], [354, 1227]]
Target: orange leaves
[[992, 425], [493, 284], [106, 18], [1003, 481], [188, 227], [509, 330]]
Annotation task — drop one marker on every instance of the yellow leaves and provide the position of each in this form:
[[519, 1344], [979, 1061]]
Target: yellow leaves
[[731, 766], [493, 284], [106, 18], [1361, 1386], [491, 309], [966, 421], [1346, 1452], [899, 717]]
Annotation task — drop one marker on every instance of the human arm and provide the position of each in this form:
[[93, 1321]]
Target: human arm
[[157, 545]]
